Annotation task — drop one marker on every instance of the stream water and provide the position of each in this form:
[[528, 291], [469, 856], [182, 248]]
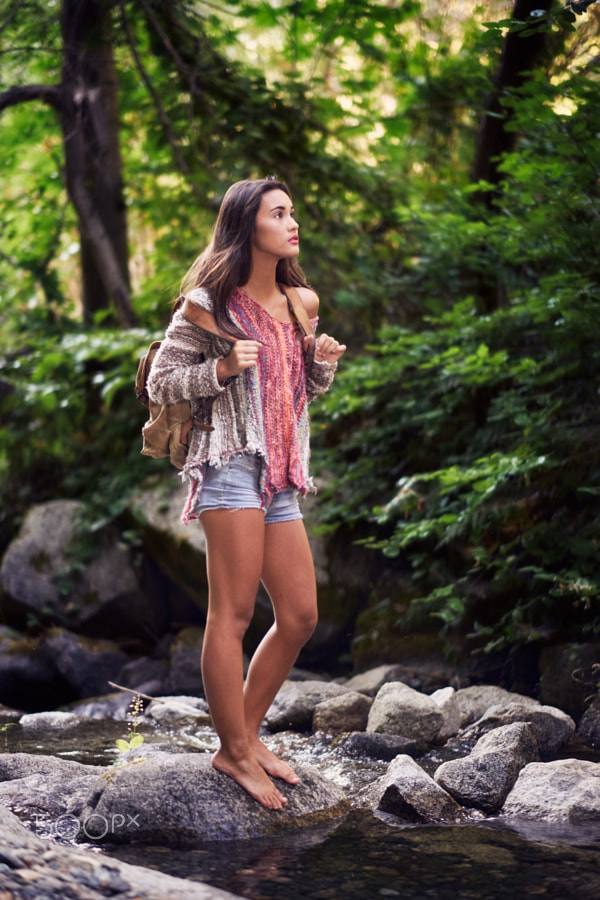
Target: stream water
[[362, 856]]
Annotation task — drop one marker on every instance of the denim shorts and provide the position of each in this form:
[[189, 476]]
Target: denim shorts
[[236, 486]]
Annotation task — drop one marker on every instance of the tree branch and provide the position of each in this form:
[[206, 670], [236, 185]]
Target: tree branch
[[162, 114], [11, 15], [47, 93]]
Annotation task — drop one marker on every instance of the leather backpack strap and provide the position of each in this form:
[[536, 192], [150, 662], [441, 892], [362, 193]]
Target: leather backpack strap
[[298, 311]]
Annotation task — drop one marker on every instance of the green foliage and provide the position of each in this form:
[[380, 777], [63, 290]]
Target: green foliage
[[71, 425], [468, 444], [480, 438]]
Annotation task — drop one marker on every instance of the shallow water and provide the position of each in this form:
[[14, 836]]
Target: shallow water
[[360, 857], [366, 858]]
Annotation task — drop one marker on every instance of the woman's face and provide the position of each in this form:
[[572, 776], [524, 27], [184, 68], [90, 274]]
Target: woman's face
[[275, 228]]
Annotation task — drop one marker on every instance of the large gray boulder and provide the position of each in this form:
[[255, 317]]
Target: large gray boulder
[[589, 726], [552, 726], [345, 712], [399, 709], [408, 792], [178, 550], [484, 778], [185, 669], [566, 790], [448, 703], [294, 706], [42, 577], [159, 795], [36, 868], [144, 674], [179, 712], [44, 786], [568, 675], [86, 665], [370, 681], [182, 799], [474, 701], [28, 678]]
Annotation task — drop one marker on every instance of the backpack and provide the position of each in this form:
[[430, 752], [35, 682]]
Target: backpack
[[167, 431]]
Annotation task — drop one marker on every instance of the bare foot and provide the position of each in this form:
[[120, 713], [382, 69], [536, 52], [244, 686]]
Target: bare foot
[[252, 777], [272, 765]]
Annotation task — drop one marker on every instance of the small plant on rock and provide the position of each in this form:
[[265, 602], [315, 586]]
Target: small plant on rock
[[136, 739]]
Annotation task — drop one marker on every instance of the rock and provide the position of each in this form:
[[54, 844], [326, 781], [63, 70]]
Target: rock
[[86, 665], [155, 748], [447, 701], [22, 765], [399, 709], [567, 676], [552, 727], [474, 701], [293, 707], [44, 786], [28, 679], [297, 674], [179, 550], [9, 715], [32, 867], [346, 712], [406, 791], [102, 597], [369, 682], [149, 676], [179, 712], [484, 778], [380, 746], [183, 799], [566, 790], [58, 719], [110, 706], [589, 727], [185, 676]]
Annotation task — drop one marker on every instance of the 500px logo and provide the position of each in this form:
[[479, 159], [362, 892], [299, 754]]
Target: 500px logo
[[95, 827]]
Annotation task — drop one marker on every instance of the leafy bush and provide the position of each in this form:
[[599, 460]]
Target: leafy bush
[[467, 443], [70, 419], [471, 449]]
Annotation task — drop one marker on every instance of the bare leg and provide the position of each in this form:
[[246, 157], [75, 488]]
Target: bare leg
[[289, 578], [235, 548]]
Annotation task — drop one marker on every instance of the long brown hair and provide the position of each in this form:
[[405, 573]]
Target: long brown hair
[[227, 261]]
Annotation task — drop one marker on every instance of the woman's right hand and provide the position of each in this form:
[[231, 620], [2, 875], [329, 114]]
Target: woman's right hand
[[244, 355]]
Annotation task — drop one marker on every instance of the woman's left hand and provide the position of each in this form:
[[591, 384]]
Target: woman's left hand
[[327, 349]]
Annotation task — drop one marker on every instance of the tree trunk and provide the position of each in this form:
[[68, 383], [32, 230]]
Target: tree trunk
[[90, 126], [520, 55]]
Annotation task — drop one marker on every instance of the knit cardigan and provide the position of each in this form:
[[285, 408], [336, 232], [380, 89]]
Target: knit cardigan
[[185, 368]]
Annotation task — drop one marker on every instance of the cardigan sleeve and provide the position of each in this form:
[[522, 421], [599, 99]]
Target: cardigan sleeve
[[319, 378], [185, 367]]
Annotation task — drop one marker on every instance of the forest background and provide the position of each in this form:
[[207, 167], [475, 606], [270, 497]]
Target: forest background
[[444, 161]]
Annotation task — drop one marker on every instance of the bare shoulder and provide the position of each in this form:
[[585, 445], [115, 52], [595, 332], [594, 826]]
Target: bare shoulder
[[310, 300]]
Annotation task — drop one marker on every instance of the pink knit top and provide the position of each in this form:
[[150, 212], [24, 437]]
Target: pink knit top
[[279, 403]]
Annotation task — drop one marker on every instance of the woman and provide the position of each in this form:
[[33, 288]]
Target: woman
[[235, 351]]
